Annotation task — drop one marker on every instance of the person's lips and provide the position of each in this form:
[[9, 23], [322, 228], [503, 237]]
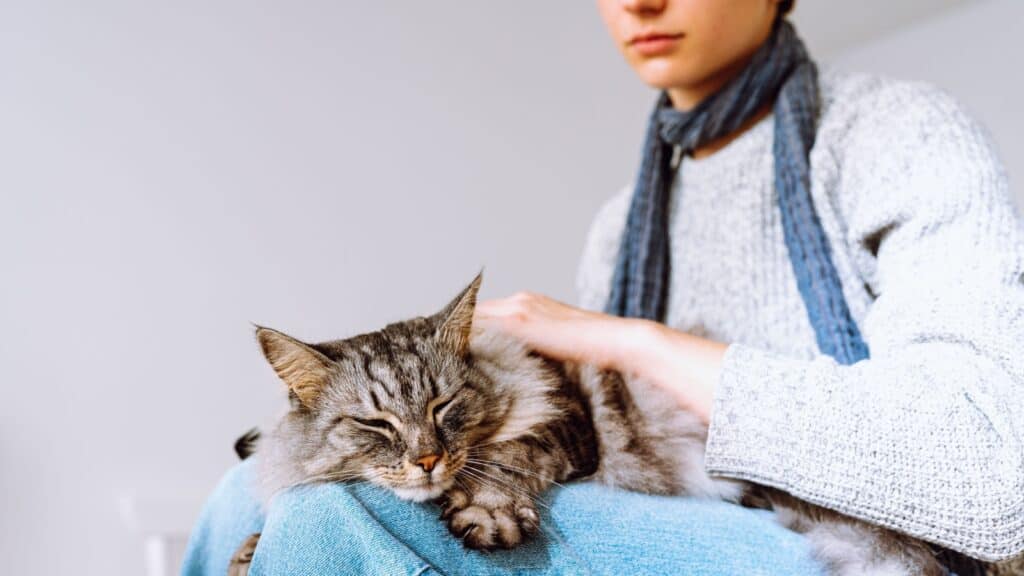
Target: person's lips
[[655, 43]]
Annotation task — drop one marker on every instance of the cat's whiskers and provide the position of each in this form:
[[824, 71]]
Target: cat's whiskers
[[515, 469], [314, 481], [328, 477], [501, 483], [346, 477], [461, 484], [488, 443]]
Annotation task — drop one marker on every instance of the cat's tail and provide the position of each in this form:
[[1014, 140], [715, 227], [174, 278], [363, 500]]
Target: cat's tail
[[246, 443], [847, 546]]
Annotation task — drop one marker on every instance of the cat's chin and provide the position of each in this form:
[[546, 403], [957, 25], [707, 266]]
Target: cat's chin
[[419, 493], [422, 493]]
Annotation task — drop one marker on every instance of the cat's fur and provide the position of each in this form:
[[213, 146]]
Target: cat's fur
[[497, 424]]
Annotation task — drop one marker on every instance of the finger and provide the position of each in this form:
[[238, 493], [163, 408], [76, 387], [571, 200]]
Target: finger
[[490, 310], [500, 308]]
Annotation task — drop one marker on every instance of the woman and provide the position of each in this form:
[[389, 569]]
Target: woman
[[827, 269]]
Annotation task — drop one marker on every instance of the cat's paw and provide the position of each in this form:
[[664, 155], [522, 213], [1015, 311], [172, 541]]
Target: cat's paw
[[484, 527], [239, 564]]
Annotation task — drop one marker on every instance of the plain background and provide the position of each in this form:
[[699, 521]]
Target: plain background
[[171, 172]]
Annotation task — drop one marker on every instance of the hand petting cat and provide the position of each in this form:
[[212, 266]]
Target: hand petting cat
[[461, 408], [685, 364]]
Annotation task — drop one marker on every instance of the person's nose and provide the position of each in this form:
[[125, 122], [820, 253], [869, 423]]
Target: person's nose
[[643, 6]]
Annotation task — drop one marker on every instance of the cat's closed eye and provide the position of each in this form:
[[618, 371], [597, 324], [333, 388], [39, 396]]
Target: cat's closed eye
[[376, 424], [438, 410]]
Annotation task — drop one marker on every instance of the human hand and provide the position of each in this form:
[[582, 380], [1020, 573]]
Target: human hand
[[685, 364], [558, 330]]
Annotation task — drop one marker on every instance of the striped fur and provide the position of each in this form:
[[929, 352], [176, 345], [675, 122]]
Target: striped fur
[[506, 424]]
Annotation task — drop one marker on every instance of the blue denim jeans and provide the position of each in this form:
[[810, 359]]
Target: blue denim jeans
[[586, 529]]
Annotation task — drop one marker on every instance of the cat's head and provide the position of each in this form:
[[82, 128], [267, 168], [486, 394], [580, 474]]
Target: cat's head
[[400, 407]]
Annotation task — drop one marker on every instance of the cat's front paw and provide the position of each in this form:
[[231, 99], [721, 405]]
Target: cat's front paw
[[486, 527]]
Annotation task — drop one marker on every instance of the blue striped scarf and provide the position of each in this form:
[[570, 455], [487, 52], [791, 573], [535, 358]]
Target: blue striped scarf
[[780, 70]]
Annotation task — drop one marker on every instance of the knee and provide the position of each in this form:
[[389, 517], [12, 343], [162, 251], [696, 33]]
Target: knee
[[237, 488], [230, 515], [239, 477], [308, 502], [337, 528]]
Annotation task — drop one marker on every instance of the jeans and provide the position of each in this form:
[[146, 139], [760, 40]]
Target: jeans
[[586, 528]]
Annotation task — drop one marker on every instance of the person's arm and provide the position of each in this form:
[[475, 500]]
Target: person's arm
[[687, 365], [925, 436]]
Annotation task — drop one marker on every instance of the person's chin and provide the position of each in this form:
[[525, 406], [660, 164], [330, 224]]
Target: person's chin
[[662, 73]]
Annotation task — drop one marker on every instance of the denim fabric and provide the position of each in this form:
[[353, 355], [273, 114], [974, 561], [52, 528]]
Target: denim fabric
[[587, 529]]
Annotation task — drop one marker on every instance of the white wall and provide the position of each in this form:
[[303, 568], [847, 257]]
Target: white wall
[[170, 172], [829, 26], [974, 51]]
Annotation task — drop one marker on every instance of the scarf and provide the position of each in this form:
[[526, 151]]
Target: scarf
[[779, 70]]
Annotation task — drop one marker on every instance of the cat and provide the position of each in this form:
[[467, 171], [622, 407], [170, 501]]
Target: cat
[[435, 410]]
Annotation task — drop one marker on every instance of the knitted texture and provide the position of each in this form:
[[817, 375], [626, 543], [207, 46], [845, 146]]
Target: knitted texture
[[780, 70], [925, 437]]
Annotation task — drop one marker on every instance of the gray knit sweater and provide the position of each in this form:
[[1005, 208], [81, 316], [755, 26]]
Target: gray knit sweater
[[927, 436]]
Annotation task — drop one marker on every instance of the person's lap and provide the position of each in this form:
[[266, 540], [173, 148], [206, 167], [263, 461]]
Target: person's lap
[[586, 529]]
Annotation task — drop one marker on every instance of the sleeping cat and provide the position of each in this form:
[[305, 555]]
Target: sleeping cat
[[434, 410]]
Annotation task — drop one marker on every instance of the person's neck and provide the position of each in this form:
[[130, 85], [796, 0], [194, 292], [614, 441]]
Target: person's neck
[[687, 98]]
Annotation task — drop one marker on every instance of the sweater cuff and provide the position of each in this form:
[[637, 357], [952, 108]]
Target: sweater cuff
[[759, 416]]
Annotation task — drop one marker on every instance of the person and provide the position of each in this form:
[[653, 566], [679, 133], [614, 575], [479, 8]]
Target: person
[[826, 267]]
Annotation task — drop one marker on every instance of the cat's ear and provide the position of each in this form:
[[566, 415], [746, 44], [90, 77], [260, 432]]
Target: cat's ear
[[456, 319], [305, 370]]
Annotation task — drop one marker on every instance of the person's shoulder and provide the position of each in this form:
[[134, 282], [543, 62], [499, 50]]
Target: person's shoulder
[[600, 250], [893, 110], [880, 129], [849, 92], [606, 227], [903, 146], [614, 209]]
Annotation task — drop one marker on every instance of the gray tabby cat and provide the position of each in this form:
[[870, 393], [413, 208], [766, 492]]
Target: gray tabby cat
[[433, 410]]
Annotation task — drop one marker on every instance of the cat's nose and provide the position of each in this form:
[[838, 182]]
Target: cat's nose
[[427, 462]]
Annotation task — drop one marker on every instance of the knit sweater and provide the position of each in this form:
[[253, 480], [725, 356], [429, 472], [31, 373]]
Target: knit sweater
[[927, 435]]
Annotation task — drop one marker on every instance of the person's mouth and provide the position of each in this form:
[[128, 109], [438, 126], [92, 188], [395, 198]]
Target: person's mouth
[[654, 43]]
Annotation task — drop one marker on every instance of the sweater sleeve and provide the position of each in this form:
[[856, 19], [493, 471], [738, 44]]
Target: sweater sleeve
[[925, 436]]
